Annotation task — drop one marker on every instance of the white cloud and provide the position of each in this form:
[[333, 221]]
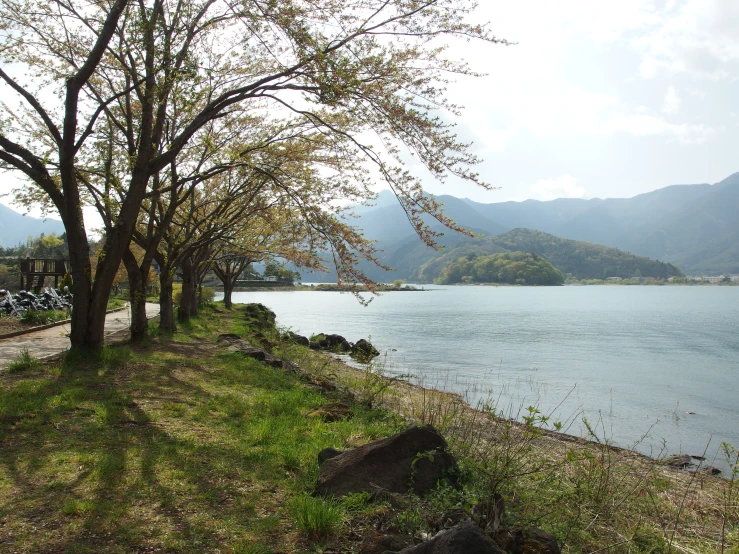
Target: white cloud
[[564, 186], [698, 38], [696, 92], [647, 125], [671, 104]]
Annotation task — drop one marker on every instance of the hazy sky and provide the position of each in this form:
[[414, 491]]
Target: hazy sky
[[598, 99], [602, 99]]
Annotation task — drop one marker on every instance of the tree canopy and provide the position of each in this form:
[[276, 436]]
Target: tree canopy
[[513, 268], [103, 99]]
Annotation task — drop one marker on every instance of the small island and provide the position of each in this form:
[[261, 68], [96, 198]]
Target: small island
[[511, 268]]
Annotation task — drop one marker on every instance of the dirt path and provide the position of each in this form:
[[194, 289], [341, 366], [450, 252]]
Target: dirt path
[[48, 342]]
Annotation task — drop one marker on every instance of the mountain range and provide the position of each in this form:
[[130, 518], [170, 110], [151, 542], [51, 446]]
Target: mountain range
[[15, 228], [695, 227]]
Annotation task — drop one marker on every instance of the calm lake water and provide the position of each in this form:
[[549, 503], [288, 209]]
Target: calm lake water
[[633, 360]]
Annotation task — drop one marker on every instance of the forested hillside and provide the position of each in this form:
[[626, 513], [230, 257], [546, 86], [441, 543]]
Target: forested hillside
[[583, 260], [513, 268]]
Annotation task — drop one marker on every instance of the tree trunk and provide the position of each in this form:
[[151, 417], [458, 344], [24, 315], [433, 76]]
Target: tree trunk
[[194, 306], [184, 309], [137, 282], [81, 270], [227, 290], [90, 302], [166, 302]]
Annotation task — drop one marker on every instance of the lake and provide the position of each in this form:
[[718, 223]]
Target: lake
[[633, 360]]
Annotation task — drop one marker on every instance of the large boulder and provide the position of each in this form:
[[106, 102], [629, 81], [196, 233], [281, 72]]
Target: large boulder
[[290, 336], [334, 343], [679, 461], [415, 459], [465, 538], [378, 543], [363, 351], [527, 541], [326, 454], [227, 337], [259, 316]]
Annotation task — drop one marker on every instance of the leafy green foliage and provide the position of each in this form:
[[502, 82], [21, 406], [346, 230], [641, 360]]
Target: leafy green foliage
[[514, 268]]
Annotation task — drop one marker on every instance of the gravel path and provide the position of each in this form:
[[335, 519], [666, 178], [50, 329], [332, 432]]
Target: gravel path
[[48, 342]]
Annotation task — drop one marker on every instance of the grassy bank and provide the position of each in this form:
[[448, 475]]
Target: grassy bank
[[178, 446]]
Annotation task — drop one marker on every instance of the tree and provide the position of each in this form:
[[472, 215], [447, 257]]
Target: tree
[[49, 246], [263, 237], [228, 269], [119, 66], [271, 269]]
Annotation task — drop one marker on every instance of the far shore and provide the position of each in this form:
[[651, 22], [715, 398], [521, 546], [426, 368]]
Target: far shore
[[320, 287]]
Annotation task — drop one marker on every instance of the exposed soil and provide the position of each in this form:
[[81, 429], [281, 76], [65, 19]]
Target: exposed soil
[[9, 325]]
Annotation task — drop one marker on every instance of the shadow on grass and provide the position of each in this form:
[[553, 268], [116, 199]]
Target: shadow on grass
[[173, 451]]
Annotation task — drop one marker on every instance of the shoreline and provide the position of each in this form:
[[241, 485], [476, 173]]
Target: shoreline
[[420, 287], [428, 405]]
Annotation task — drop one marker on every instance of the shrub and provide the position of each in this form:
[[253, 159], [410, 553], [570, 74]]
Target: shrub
[[207, 294], [66, 281], [34, 317]]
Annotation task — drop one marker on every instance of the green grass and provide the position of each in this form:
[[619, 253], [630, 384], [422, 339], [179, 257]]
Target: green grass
[[175, 446], [317, 517], [34, 317], [115, 302]]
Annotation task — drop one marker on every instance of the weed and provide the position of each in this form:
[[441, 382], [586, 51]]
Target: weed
[[357, 502], [730, 511], [410, 521], [77, 507], [373, 383], [317, 517], [23, 361]]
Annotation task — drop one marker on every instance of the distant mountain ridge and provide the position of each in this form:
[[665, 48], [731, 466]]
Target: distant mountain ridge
[[694, 227], [15, 228]]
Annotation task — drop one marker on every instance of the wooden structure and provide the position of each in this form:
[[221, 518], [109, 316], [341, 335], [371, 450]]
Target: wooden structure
[[34, 271]]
